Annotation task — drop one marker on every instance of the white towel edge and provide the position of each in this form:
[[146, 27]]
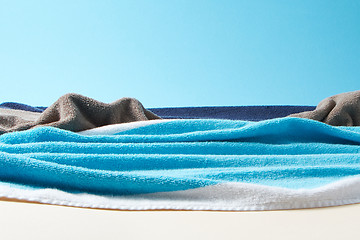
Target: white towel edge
[[221, 197]]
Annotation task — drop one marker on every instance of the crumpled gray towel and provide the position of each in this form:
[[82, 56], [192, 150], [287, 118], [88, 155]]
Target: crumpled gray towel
[[75, 112], [338, 110]]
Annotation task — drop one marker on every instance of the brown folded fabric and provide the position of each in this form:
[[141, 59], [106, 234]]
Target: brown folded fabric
[[75, 112], [338, 110]]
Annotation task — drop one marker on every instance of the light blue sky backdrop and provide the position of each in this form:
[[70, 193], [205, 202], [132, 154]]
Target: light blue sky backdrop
[[180, 52]]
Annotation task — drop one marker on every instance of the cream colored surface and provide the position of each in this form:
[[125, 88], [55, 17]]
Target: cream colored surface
[[36, 221]]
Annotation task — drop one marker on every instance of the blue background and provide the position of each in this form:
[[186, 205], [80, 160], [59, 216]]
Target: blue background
[[180, 53]]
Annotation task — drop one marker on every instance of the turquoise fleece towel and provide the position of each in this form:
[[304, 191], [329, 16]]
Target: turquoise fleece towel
[[182, 155]]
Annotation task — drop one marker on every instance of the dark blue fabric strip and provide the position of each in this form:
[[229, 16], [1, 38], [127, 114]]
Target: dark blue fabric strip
[[248, 113], [21, 106]]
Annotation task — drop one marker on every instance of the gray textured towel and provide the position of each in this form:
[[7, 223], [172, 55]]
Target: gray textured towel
[[75, 112], [338, 110]]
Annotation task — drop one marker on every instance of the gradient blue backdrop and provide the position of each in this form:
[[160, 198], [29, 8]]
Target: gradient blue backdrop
[[180, 53]]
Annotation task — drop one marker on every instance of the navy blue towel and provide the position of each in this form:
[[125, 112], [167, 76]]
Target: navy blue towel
[[248, 113]]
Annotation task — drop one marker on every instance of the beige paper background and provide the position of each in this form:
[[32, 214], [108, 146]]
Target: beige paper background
[[37, 221]]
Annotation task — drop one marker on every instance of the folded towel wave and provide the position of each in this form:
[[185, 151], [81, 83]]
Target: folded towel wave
[[159, 163]]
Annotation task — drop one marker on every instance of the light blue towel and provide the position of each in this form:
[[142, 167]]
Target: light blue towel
[[182, 154]]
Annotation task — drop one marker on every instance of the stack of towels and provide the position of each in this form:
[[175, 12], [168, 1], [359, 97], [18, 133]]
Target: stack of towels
[[80, 152]]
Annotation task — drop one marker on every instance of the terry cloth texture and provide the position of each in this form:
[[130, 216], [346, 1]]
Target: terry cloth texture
[[75, 112], [338, 110], [185, 164]]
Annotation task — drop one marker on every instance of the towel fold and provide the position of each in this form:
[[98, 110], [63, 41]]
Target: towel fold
[[182, 154], [75, 112], [338, 110]]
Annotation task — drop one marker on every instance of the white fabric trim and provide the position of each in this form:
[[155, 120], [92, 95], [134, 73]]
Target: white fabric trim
[[223, 197], [121, 127]]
